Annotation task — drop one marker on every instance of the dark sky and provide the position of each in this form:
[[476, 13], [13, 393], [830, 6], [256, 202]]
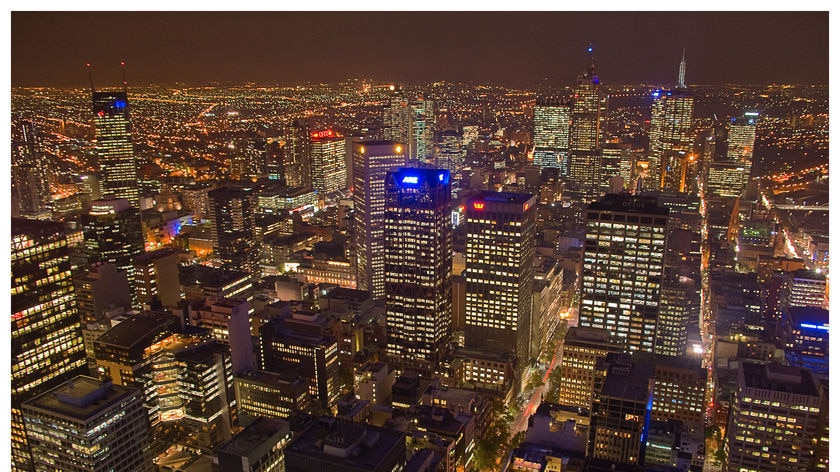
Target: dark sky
[[513, 48]]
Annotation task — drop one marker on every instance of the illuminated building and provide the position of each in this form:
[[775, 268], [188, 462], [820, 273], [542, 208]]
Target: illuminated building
[[621, 412], [372, 160], [46, 338], [726, 179], [30, 173], [410, 122], [87, 424], [730, 176], [200, 282], [774, 420], [805, 288], [579, 378], [329, 169], [804, 331], [101, 288], [587, 112], [615, 161], [196, 199], [501, 229], [296, 156], [671, 139], [679, 391], [298, 345], [374, 382], [418, 266], [671, 328], [113, 234], [623, 263], [450, 151], [156, 277], [263, 393], [551, 134], [233, 225], [257, 448], [114, 150], [229, 322]]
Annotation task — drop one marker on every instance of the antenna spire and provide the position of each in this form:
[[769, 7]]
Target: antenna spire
[[590, 50], [125, 83], [681, 76], [90, 77]]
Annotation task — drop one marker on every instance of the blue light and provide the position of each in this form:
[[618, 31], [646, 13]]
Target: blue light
[[595, 80], [410, 179], [119, 103], [813, 326], [656, 94], [440, 177], [589, 49]]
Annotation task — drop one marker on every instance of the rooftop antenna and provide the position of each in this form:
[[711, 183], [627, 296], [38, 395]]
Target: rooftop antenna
[[90, 77], [591, 51], [125, 83]]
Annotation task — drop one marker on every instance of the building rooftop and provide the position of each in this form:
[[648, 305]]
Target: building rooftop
[[257, 439], [502, 197], [343, 442], [629, 381], [148, 257], [629, 204], [81, 398], [779, 378], [138, 329]]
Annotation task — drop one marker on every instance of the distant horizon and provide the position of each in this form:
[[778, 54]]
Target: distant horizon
[[49, 49]]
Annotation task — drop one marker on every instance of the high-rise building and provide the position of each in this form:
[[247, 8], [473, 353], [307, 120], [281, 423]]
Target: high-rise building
[[587, 112], [580, 380], [47, 347], [551, 133], [501, 232], [450, 151], [418, 266], [114, 149], [257, 448], [410, 122], [113, 234], [740, 144], [156, 277], [679, 391], [30, 173], [623, 263], [774, 419], [615, 159], [671, 139], [726, 179], [372, 160], [672, 326], [329, 169], [296, 156], [621, 412], [805, 288], [87, 424], [232, 212]]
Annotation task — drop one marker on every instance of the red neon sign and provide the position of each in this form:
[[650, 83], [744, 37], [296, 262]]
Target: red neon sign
[[478, 205], [323, 134]]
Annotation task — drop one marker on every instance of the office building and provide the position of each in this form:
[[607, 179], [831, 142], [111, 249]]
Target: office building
[[588, 109], [113, 234], [501, 232], [675, 307], [726, 179], [195, 199], [233, 225], [679, 391], [621, 413], [329, 169], [30, 173], [372, 160], [774, 419], [580, 380], [450, 151], [156, 277], [257, 448], [612, 158], [341, 446], [418, 267], [88, 425], [805, 288], [671, 137], [114, 149], [804, 331], [296, 155], [44, 316], [263, 393], [623, 263], [551, 133], [411, 122]]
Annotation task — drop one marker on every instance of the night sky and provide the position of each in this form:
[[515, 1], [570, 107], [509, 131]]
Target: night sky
[[510, 48]]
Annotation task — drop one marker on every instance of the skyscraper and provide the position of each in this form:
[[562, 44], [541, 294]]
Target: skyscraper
[[87, 424], [740, 146], [114, 150], [418, 266], [551, 133], [501, 228], [30, 172], [623, 261], [450, 151], [46, 338], [232, 212], [329, 169], [113, 234], [587, 111], [372, 160], [671, 137], [410, 122], [296, 155]]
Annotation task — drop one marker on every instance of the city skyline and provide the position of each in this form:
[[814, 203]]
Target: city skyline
[[526, 48]]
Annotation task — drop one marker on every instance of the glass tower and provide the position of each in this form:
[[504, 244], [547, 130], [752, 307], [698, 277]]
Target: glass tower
[[587, 112], [47, 344], [418, 266], [551, 134], [329, 169], [114, 149]]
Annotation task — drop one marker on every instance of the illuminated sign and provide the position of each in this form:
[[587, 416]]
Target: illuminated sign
[[119, 103], [526, 206], [410, 179], [478, 205], [813, 326], [323, 134]]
